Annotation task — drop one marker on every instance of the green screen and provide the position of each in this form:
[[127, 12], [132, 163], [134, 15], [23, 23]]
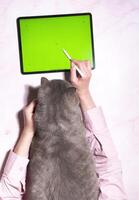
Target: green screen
[[42, 40]]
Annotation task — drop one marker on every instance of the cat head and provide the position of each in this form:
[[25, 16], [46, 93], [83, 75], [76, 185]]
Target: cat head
[[57, 91], [57, 100]]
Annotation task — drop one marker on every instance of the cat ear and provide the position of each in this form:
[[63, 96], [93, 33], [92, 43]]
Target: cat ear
[[44, 81]]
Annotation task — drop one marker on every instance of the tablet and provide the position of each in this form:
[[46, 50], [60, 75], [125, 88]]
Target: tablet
[[42, 40]]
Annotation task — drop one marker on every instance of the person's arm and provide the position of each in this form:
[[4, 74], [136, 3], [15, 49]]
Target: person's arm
[[24, 142], [12, 183], [108, 165]]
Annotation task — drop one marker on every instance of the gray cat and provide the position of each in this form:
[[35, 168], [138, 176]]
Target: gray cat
[[61, 165]]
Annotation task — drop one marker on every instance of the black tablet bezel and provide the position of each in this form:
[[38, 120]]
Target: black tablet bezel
[[48, 16]]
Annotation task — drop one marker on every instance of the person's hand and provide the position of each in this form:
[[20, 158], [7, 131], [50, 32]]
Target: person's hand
[[28, 113], [23, 144], [81, 83]]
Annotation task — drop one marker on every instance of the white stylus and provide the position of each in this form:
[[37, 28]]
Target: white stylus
[[68, 56]]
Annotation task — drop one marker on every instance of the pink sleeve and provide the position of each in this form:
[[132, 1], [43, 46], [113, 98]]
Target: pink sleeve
[[12, 183], [108, 166]]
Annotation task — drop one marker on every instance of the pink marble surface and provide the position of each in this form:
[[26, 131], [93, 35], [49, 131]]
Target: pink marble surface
[[115, 82]]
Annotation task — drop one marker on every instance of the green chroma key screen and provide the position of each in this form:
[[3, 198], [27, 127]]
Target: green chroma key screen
[[43, 38]]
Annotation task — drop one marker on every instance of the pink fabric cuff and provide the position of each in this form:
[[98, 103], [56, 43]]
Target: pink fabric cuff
[[15, 167], [96, 124], [94, 120]]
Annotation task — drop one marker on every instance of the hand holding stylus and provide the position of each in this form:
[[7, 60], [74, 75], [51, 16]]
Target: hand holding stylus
[[81, 83], [84, 69], [69, 57]]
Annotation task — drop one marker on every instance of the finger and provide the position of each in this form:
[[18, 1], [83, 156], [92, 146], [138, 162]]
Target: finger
[[83, 66], [73, 75], [80, 66], [87, 68], [31, 107], [78, 63], [88, 65]]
